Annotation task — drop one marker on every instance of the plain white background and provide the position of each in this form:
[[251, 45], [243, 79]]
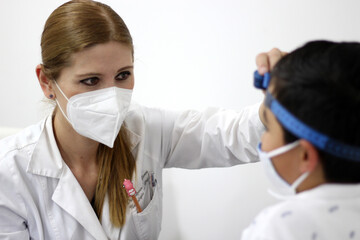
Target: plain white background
[[188, 54]]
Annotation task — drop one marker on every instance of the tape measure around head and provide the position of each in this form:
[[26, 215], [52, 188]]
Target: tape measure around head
[[261, 82], [301, 130]]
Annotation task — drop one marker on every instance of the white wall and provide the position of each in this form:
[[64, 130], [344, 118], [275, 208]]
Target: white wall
[[189, 54]]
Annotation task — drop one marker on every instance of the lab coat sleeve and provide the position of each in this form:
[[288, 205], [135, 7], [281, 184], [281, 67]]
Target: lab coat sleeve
[[13, 223], [212, 138]]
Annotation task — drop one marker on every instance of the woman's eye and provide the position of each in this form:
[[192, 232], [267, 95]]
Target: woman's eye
[[123, 75], [90, 81]]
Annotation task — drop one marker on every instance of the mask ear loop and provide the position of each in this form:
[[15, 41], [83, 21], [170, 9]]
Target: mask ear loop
[[61, 90], [278, 195], [57, 102], [283, 149], [299, 180]]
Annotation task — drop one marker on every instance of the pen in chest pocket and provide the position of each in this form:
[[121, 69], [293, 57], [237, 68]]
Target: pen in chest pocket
[[131, 193]]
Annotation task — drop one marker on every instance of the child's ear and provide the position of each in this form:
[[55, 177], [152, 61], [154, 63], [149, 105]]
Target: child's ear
[[310, 156]]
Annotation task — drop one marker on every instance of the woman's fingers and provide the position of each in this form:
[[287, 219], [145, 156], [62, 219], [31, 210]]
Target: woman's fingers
[[267, 60]]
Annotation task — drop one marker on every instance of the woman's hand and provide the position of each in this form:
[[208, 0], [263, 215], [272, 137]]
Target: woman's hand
[[267, 60]]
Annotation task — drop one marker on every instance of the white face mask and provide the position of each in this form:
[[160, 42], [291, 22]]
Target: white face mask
[[98, 114], [283, 188]]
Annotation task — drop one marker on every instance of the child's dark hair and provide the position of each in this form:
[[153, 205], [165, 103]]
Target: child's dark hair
[[319, 83]]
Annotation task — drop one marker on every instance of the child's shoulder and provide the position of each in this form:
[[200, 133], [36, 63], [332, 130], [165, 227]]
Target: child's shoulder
[[314, 214], [279, 221], [286, 212]]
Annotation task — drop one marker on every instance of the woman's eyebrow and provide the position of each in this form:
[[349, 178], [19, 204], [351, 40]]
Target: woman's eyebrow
[[99, 74], [125, 68], [87, 74]]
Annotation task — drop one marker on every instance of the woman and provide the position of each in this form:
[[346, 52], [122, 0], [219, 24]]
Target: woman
[[62, 178]]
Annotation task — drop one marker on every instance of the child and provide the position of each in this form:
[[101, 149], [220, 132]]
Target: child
[[311, 147]]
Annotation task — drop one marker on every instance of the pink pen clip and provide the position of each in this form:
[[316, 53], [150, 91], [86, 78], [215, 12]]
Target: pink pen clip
[[130, 190]]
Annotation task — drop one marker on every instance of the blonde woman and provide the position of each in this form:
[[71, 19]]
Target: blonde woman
[[63, 177]]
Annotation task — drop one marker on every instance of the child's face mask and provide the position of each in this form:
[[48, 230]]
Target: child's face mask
[[98, 114], [283, 188]]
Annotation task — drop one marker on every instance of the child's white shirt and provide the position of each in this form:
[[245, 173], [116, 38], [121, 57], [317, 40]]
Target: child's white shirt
[[327, 212]]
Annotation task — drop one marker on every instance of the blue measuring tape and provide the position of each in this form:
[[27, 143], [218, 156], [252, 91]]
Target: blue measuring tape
[[301, 130], [261, 82]]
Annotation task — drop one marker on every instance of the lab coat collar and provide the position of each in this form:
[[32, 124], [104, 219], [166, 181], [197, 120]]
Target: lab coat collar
[[111, 231], [68, 190], [46, 159]]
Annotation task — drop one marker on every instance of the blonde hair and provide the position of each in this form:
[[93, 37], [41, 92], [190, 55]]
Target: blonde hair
[[72, 27]]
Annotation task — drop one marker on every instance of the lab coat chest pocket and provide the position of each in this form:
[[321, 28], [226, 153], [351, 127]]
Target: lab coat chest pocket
[[148, 222]]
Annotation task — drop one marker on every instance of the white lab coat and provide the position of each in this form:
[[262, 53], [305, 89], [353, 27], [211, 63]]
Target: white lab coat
[[41, 199], [327, 212]]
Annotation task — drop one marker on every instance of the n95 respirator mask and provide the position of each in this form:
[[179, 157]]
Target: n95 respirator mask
[[98, 114]]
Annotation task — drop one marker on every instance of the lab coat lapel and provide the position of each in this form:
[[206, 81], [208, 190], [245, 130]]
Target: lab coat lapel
[[70, 196], [45, 158], [111, 231], [46, 161]]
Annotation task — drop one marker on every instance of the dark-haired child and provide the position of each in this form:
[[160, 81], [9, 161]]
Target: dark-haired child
[[311, 147]]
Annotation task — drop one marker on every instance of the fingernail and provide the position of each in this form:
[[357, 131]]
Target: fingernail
[[263, 70]]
